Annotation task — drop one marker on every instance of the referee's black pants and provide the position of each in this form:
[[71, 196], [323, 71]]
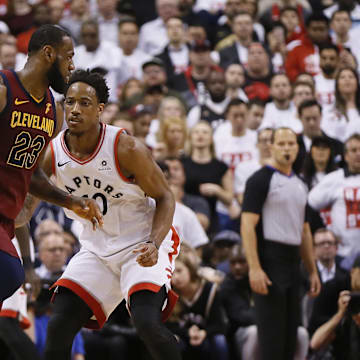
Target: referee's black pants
[[278, 313]]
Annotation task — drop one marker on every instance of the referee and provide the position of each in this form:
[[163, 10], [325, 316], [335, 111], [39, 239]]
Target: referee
[[275, 235]]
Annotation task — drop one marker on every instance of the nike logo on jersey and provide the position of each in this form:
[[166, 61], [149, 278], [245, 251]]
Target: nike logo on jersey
[[20, 102], [60, 165]]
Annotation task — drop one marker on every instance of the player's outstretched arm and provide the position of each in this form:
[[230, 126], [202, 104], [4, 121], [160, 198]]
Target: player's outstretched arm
[[135, 160], [42, 188]]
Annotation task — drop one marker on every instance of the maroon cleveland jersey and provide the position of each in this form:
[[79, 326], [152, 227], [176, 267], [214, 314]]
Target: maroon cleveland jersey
[[26, 127]]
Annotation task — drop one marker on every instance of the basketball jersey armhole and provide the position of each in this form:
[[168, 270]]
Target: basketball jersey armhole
[[53, 167], [116, 156], [54, 110], [8, 93]]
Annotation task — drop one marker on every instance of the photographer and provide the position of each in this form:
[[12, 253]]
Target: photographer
[[342, 331]]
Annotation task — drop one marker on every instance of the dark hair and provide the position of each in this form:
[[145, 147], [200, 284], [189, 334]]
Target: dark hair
[[46, 35], [259, 132], [235, 102], [316, 17], [91, 22], [308, 103], [93, 79], [289, 8], [309, 169], [340, 104], [277, 75], [329, 46], [303, 83], [339, 11], [277, 24], [127, 20], [256, 101], [164, 168]]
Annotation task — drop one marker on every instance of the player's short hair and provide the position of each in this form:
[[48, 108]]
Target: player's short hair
[[93, 79], [46, 35]]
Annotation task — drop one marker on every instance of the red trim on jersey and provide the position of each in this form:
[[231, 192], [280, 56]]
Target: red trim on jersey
[[91, 156], [172, 297], [116, 142], [24, 322], [53, 167], [176, 242], [93, 304]]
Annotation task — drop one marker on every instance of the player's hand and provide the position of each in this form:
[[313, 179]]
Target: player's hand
[[87, 209], [32, 282], [259, 281], [315, 285], [148, 254]]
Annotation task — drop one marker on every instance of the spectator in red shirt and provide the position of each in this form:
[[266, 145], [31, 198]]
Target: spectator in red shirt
[[303, 55]]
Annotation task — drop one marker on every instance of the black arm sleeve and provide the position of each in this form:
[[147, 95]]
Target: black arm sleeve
[[256, 190]]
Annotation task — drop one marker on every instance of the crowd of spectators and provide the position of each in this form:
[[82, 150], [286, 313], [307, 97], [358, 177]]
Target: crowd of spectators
[[204, 83]]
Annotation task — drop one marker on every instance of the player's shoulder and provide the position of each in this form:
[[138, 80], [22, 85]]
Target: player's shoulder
[[129, 146]]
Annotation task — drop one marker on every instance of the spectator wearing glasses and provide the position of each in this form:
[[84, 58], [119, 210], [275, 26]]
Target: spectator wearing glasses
[[53, 255], [333, 277]]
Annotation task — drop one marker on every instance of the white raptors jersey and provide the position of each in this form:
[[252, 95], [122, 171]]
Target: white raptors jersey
[[127, 211]]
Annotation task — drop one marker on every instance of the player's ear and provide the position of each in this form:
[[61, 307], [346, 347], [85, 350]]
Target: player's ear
[[49, 53], [101, 108]]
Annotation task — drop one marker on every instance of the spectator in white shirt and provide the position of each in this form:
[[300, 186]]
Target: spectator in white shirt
[[349, 5], [10, 58], [340, 25], [302, 91], [56, 8], [235, 80], [100, 54], [340, 191], [281, 112], [79, 12], [344, 118], [153, 35], [325, 80], [134, 58], [239, 144], [108, 19], [245, 169], [256, 114]]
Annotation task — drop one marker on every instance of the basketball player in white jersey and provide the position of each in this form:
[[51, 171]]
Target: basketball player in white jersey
[[132, 256]]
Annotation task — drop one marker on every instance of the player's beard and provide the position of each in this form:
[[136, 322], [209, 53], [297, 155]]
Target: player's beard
[[56, 79]]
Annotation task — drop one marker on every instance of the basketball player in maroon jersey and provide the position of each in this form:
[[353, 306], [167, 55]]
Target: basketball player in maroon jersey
[[27, 124]]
